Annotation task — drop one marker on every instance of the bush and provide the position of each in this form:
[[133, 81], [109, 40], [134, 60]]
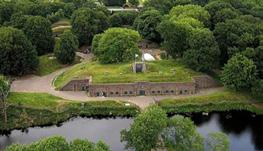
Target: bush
[[54, 17], [17, 55], [239, 73], [65, 48], [217, 141], [56, 143]]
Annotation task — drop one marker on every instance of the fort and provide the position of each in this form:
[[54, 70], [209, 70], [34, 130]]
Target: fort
[[140, 88]]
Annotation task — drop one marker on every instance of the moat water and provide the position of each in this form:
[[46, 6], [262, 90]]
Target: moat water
[[244, 129]]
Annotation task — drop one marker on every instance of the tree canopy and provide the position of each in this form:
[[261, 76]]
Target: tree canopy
[[58, 143], [239, 73], [17, 55], [203, 53], [146, 24], [66, 47], [116, 45], [145, 131], [39, 32], [87, 22]]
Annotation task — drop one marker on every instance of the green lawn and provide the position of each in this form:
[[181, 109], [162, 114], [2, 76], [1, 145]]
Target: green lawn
[[223, 100], [49, 64], [35, 100], [157, 71]]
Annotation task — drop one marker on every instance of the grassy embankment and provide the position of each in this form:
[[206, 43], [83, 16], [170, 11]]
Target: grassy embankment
[[60, 26], [48, 64], [36, 109], [157, 71], [224, 100]]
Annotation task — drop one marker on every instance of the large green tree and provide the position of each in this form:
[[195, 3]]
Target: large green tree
[[203, 53], [6, 11], [193, 11], [17, 55], [239, 73], [145, 131], [4, 92], [87, 22], [181, 134], [234, 36], [163, 6], [39, 32], [117, 45], [146, 23], [175, 33], [65, 48]]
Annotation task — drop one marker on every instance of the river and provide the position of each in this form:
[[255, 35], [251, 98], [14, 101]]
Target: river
[[244, 129]]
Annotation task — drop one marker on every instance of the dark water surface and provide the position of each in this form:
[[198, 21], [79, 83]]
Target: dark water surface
[[244, 130]]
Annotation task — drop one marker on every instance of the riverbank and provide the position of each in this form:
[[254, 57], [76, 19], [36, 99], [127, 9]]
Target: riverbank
[[225, 100], [40, 109]]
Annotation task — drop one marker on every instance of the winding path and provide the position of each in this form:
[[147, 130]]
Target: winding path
[[44, 84]]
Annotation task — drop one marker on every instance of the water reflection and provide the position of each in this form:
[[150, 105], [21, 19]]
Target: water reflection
[[244, 130]]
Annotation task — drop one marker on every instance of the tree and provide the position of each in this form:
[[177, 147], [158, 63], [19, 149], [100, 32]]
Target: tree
[[6, 11], [117, 45], [86, 23], [146, 24], [39, 32], [58, 143], [18, 20], [193, 11], [119, 19], [224, 14], [234, 36], [160, 5], [217, 142], [203, 53], [17, 55], [95, 44], [175, 34], [181, 134], [239, 73], [65, 48], [4, 92], [145, 132], [214, 7], [134, 2]]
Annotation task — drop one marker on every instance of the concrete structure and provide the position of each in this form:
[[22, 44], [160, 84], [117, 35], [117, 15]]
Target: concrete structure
[[140, 88]]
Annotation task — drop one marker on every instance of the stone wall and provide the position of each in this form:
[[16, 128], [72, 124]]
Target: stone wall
[[77, 85], [205, 81], [141, 88]]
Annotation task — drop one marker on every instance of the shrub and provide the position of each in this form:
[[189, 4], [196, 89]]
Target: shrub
[[122, 19]]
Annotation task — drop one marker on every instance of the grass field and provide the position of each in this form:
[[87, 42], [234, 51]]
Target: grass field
[[49, 64], [223, 100], [157, 71], [36, 109]]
